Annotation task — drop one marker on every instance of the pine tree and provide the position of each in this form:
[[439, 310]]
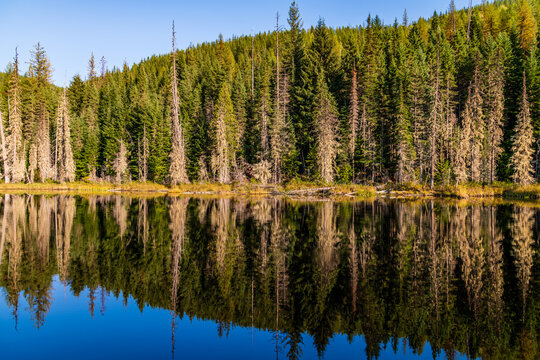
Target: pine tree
[[277, 134], [177, 170], [15, 140], [4, 152], [64, 154], [92, 74], [522, 151], [353, 115], [435, 115], [40, 71], [301, 90], [405, 149], [477, 126], [526, 25], [120, 165], [327, 122], [418, 102], [224, 134], [495, 110], [143, 156]]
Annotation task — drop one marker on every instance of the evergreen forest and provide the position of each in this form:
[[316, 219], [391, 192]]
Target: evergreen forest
[[448, 100]]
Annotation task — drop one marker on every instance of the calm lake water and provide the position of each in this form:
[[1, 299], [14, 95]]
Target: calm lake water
[[112, 277]]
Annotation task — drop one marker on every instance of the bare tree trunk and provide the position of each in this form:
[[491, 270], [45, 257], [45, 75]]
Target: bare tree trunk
[[434, 120], [177, 170], [4, 155]]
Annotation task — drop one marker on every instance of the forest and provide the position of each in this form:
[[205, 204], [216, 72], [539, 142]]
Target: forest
[[448, 100]]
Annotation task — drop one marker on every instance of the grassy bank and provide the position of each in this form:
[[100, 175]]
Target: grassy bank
[[291, 189], [465, 191]]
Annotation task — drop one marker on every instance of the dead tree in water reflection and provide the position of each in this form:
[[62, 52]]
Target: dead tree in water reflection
[[522, 249], [120, 213], [142, 222], [353, 260], [16, 210], [471, 252], [262, 212], [279, 241], [328, 239], [177, 215], [64, 221]]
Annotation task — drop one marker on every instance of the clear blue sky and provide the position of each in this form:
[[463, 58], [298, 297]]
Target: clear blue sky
[[133, 30]]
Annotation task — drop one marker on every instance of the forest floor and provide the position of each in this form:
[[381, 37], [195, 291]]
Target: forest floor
[[293, 189]]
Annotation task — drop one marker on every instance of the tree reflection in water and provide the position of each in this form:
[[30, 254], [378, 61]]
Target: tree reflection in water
[[460, 276]]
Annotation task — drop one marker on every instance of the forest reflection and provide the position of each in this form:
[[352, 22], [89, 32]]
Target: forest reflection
[[461, 277]]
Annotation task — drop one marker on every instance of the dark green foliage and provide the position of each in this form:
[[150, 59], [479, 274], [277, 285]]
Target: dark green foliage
[[401, 109]]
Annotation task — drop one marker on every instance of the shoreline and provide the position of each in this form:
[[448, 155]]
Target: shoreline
[[295, 190]]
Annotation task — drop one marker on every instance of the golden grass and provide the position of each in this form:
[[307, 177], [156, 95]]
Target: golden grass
[[295, 188], [148, 188]]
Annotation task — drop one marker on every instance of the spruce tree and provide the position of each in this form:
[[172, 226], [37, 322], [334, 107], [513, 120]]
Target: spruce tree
[[64, 155], [40, 72], [224, 136], [16, 156], [522, 141], [495, 108], [327, 123]]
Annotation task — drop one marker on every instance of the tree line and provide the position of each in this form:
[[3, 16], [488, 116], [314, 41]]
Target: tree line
[[446, 100]]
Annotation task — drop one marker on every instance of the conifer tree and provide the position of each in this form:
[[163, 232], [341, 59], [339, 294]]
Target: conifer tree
[[526, 25], [353, 115], [476, 125], [495, 110], [327, 122], [64, 154], [177, 170], [143, 156], [224, 137], [15, 140], [522, 141], [92, 68], [4, 152], [405, 150], [277, 138], [40, 71], [120, 165], [436, 114]]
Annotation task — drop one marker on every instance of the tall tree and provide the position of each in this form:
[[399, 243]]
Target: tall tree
[[353, 115], [16, 156], [277, 134], [64, 154], [177, 170], [224, 137], [526, 25], [327, 123], [40, 72], [495, 109], [522, 150]]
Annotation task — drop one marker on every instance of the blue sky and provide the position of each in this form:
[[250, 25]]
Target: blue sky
[[70, 30]]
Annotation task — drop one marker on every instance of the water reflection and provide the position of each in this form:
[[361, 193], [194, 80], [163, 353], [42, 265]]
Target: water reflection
[[400, 274]]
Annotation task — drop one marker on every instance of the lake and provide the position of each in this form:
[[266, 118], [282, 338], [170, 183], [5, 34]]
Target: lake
[[114, 277]]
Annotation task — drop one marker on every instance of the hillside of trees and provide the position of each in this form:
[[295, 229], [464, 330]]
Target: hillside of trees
[[446, 100]]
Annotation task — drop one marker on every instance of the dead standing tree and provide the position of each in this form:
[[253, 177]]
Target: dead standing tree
[[177, 170]]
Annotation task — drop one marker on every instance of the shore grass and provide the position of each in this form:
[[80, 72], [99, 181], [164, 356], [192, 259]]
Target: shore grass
[[470, 190], [294, 188]]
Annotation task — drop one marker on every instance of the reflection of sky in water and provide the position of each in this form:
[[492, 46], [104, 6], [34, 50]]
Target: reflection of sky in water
[[70, 332]]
